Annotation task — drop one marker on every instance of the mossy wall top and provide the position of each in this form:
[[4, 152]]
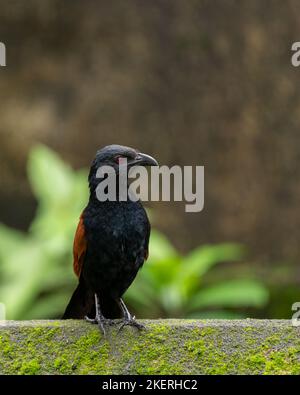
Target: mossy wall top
[[164, 347]]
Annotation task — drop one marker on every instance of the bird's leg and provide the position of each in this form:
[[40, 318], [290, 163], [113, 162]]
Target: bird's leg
[[128, 318], [99, 317]]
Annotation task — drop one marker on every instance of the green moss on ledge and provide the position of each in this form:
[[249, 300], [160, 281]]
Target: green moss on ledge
[[165, 347]]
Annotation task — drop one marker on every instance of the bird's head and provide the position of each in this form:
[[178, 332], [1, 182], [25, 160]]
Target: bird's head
[[114, 156]]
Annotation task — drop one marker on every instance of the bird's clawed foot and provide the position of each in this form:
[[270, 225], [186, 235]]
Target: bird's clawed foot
[[132, 322], [101, 321]]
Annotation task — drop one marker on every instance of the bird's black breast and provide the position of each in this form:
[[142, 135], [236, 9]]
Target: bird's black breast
[[117, 241]]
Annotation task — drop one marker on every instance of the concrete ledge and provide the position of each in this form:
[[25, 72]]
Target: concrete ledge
[[165, 347]]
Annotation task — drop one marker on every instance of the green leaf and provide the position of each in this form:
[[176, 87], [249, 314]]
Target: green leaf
[[10, 240], [171, 299], [161, 273], [22, 280], [199, 261], [160, 247], [50, 306], [203, 258], [141, 294], [50, 178], [235, 293]]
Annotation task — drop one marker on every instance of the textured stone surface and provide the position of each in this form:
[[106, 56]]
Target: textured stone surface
[[164, 347]]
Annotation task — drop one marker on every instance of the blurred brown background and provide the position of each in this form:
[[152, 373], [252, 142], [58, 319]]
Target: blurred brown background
[[190, 82]]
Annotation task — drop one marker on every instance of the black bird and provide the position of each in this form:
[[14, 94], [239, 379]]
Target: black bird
[[110, 245]]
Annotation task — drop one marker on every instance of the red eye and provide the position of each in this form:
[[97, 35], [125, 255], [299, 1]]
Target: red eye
[[119, 159]]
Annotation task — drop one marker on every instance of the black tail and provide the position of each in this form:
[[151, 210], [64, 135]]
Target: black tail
[[82, 304]]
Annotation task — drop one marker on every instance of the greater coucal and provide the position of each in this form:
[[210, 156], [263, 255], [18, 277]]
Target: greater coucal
[[110, 245]]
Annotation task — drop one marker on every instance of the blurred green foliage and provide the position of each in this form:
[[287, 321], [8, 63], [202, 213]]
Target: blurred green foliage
[[171, 285], [36, 279], [35, 268]]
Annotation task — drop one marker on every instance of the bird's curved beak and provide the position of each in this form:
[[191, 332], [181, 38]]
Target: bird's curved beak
[[143, 160]]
